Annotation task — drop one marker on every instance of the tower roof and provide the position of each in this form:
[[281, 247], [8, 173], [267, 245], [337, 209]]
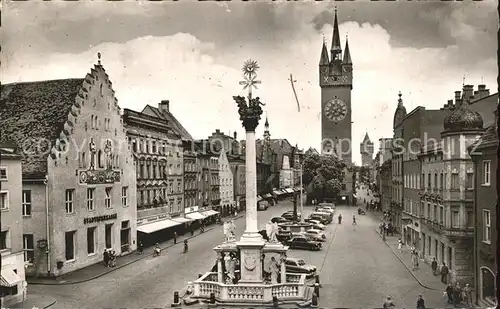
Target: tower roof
[[367, 138], [463, 118], [347, 53], [324, 56], [336, 36], [266, 124]]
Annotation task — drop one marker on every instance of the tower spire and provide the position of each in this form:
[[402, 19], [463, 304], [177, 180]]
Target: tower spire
[[336, 50], [347, 53], [400, 101], [323, 60]]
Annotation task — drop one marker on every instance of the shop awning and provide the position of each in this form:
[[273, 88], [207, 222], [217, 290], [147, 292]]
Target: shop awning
[[156, 226], [268, 195], [195, 216], [259, 197], [289, 190], [277, 192], [208, 213], [9, 277], [182, 220]]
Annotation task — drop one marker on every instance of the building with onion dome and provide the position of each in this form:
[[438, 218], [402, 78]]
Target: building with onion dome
[[447, 198]]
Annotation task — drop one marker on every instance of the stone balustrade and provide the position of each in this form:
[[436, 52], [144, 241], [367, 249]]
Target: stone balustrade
[[293, 289]]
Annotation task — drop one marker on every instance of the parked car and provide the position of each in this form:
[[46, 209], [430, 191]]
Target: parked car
[[298, 266], [262, 205], [327, 215], [321, 218], [279, 220], [312, 221], [284, 236], [301, 242], [326, 209], [289, 215], [317, 235], [318, 226]]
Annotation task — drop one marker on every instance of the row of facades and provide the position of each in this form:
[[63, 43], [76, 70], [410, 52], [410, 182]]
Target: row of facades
[[79, 175], [436, 177]]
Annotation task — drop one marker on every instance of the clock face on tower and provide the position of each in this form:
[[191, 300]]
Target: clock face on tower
[[335, 110]]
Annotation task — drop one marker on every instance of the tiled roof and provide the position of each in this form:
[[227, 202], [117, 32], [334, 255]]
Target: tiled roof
[[176, 125], [488, 139], [33, 111]]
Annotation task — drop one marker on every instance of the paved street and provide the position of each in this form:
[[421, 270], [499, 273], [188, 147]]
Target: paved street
[[357, 270]]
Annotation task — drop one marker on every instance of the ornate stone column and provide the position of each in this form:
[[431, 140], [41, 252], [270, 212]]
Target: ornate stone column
[[251, 242], [220, 276], [283, 267]]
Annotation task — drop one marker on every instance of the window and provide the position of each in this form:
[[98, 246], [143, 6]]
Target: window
[[3, 240], [4, 200], [28, 247], [441, 215], [124, 196], [436, 181], [435, 214], [107, 198], [469, 181], [154, 147], [429, 184], [455, 181], [179, 187], [486, 172], [487, 283], [134, 145], [70, 245], [455, 219], [422, 181], [90, 199], [486, 226], [441, 182], [108, 236], [3, 173], [26, 203], [91, 240], [470, 219], [69, 200]]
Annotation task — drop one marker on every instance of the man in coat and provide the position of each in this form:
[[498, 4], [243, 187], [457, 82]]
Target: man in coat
[[434, 266], [444, 273]]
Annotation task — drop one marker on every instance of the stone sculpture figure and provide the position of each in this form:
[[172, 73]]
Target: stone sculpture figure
[[107, 151], [274, 269], [272, 230], [231, 231], [225, 229], [93, 151]]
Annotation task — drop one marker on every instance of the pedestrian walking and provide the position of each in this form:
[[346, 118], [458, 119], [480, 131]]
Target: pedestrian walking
[[175, 238], [420, 302], [140, 248], [105, 257], [400, 245], [457, 294], [340, 219], [389, 303], [449, 293], [434, 266], [444, 273], [467, 295]]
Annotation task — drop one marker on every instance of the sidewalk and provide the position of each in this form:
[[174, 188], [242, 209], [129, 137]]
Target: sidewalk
[[36, 301], [97, 270]]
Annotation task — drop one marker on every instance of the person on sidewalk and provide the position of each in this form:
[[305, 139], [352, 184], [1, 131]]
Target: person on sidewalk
[[140, 248], [175, 237], [467, 295], [444, 273], [105, 257], [400, 245], [420, 302], [389, 303], [449, 293], [434, 266], [457, 294], [340, 219]]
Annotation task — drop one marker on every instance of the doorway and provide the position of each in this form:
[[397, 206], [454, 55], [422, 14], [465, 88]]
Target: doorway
[[108, 236]]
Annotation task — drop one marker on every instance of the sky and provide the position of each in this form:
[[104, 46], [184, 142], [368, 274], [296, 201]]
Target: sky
[[191, 53]]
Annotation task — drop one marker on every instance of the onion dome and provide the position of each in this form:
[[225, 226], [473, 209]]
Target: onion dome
[[463, 118]]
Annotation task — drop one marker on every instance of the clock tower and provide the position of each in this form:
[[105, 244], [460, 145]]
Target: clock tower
[[335, 80]]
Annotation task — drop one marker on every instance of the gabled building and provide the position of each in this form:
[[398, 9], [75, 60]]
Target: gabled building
[[17, 249], [79, 178]]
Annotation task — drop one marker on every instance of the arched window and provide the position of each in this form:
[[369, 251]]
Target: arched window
[[487, 285], [92, 121], [100, 90], [96, 123], [84, 160]]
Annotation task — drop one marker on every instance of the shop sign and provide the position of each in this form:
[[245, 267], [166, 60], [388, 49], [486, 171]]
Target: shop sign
[[191, 209], [100, 218]]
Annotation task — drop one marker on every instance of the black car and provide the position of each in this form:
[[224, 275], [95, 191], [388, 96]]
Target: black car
[[321, 219], [301, 242], [298, 266], [279, 220], [284, 236]]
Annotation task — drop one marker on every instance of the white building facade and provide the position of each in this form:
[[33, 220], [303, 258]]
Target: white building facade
[[226, 181]]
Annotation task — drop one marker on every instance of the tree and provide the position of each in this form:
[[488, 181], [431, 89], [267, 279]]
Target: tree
[[323, 174]]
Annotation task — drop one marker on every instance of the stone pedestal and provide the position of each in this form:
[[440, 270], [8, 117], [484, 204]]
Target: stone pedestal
[[251, 265]]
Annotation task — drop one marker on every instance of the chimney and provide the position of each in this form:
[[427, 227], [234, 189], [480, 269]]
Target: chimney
[[235, 135], [217, 131], [483, 92], [164, 105], [468, 90], [458, 100]]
